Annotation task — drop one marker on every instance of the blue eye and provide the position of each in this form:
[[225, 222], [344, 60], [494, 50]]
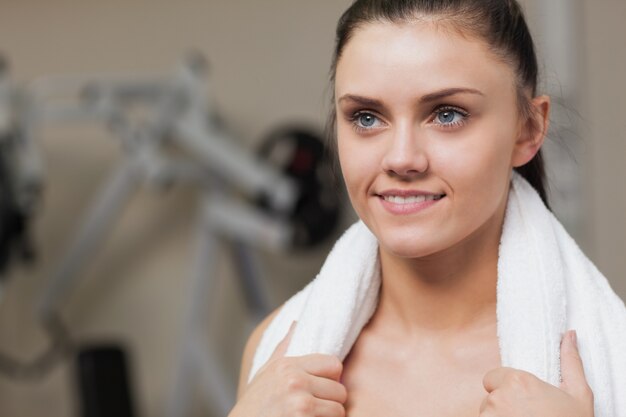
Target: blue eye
[[364, 121], [449, 116]]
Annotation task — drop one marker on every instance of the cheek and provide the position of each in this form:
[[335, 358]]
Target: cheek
[[352, 159], [477, 168], [359, 164]]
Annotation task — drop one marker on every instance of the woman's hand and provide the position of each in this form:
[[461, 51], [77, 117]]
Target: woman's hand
[[303, 386], [513, 393]]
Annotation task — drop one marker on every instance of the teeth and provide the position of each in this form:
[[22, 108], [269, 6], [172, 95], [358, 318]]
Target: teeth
[[412, 199]]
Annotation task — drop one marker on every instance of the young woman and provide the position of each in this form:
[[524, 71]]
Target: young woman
[[434, 106]]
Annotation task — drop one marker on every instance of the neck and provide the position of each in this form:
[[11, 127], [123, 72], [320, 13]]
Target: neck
[[447, 292]]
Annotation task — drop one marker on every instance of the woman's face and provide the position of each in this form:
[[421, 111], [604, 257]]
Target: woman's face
[[428, 131]]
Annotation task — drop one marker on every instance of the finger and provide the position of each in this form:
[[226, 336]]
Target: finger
[[282, 346], [327, 408], [328, 389], [483, 405], [495, 378], [326, 366], [572, 370]]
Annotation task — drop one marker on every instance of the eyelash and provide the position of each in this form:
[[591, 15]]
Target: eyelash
[[454, 125], [354, 119], [439, 110]]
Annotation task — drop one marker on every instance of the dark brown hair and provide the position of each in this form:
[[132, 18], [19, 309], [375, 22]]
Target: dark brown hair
[[500, 23]]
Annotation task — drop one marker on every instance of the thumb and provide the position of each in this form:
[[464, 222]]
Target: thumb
[[282, 346], [572, 371]]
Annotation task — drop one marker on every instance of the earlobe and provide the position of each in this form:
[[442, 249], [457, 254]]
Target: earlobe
[[533, 131]]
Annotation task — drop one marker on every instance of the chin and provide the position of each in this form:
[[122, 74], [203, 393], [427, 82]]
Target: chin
[[409, 247], [412, 253]]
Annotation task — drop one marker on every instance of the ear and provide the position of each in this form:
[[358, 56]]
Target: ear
[[533, 131]]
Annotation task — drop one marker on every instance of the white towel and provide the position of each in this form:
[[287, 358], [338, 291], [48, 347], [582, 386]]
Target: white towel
[[545, 286]]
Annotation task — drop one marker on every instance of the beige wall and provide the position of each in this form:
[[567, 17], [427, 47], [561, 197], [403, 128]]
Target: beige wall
[[270, 61]]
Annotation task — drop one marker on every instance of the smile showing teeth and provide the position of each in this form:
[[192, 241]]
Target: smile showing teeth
[[412, 199]]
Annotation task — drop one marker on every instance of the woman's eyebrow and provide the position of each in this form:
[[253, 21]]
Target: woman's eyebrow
[[448, 92], [364, 101], [437, 95]]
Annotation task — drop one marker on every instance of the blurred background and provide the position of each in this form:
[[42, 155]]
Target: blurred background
[[268, 67]]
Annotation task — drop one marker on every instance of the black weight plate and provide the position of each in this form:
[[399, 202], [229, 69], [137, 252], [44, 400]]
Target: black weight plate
[[301, 154]]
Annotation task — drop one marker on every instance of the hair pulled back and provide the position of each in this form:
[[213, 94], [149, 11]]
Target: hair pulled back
[[500, 23]]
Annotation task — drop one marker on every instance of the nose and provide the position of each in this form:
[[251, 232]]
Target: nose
[[405, 155]]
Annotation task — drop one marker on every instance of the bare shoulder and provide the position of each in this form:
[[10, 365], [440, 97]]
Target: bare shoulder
[[250, 349]]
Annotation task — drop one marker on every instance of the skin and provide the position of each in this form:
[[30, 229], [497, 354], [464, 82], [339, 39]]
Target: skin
[[422, 107]]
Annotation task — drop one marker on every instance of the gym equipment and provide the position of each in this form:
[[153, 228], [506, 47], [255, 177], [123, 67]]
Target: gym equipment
[[180, 115], [104, 382], [19, 185], [301, 155]]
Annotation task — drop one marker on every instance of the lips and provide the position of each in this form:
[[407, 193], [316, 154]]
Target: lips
[[409, 196], [408, 201], [396, 199]]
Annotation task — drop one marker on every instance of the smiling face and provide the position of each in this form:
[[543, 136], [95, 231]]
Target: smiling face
[[428, 130]]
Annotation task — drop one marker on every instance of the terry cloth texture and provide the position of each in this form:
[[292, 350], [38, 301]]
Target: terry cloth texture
[[545, 286]]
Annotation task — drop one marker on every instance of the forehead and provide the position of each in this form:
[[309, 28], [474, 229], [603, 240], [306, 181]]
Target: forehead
[[418, 58]]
